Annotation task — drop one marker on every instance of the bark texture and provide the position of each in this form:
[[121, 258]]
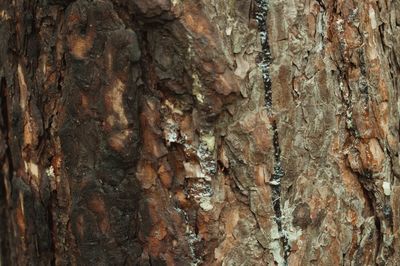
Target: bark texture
[[186, 132]]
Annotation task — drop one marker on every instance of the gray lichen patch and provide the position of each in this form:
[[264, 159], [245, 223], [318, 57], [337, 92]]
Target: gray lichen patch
[[200, 154], [192, 239], [206, 153]]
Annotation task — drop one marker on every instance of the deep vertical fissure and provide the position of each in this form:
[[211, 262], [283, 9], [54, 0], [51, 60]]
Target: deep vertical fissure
[[275, 183], [6, 163], [278, 173], [265, 60]]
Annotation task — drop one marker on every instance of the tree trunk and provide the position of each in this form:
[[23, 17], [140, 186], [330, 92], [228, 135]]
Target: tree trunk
[[199, 132]]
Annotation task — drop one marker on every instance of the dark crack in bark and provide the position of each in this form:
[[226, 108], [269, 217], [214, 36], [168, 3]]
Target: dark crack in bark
[[6, 173], [278, 172]]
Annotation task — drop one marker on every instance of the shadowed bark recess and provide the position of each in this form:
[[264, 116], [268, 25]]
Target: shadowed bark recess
[[183, 132]]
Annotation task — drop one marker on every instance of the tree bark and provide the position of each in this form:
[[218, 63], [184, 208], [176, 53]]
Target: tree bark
[[187, 132]]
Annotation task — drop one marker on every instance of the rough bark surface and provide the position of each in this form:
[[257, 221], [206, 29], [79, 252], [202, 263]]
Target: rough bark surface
[[186, 132]]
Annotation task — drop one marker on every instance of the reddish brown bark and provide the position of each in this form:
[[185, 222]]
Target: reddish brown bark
[[171, 132]]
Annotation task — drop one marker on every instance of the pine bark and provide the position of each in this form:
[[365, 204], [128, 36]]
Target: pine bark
[[187, 132]]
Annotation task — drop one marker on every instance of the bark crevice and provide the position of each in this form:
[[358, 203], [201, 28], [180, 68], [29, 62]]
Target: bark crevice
[[5, 175], [278, 172]]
